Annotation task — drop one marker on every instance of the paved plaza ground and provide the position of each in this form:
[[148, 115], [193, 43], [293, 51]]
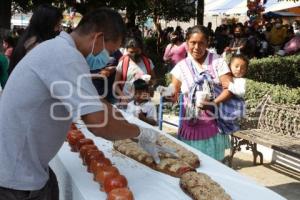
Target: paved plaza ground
[[280, 179]]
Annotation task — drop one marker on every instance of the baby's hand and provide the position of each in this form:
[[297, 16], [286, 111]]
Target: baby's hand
[[225, 84]]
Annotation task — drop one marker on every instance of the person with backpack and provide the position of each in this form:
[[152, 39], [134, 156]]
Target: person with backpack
[[132, 66]]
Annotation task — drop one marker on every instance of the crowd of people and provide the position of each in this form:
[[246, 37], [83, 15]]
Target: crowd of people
[[34, 70], [272, 38]]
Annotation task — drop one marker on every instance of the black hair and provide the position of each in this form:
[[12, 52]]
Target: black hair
[[197, 29], [43, 21], [239, 56], [134, 42], [41, 26], [9, 40], [140, 84], [176, 35], [103, 20]]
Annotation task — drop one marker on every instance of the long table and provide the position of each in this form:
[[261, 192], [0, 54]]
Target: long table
[[146, 184]]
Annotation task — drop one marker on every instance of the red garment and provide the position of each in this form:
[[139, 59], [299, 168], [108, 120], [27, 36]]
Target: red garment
[[8, 52]]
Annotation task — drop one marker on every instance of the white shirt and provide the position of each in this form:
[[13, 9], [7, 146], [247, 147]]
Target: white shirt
[[219, 66], [135, 71], [238, 87], [148, 108], [48, 88]]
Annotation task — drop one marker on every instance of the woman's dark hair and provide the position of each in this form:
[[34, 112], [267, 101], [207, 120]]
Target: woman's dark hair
[[239, 56], [43, 21], [41, 26], [197, 29], [9, 40], [140, 84], [175, 36], [134, 42], [103, 20]]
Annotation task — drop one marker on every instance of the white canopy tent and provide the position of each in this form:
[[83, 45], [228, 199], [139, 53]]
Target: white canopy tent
[[283, 14], [274, 5], [225, 7], [217, 10], [240, 8], [213, 7]]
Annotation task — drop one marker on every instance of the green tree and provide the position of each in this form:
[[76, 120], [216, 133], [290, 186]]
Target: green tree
[[200, 12]]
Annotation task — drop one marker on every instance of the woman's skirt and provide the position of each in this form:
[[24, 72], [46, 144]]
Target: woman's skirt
[[214, 146]]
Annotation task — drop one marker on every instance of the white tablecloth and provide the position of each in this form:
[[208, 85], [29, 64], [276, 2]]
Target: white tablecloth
[[146, 184]]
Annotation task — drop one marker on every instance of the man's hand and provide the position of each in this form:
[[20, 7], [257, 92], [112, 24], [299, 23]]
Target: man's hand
[[147, 140], [107, 71]]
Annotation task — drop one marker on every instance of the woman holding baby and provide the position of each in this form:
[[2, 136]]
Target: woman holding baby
[[196, 77]]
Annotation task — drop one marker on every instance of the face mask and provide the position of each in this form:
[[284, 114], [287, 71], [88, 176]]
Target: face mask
[[136, 57], [98, 61], [174, 39]]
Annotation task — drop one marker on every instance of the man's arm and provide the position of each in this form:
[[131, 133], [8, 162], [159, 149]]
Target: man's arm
[[110, 124]]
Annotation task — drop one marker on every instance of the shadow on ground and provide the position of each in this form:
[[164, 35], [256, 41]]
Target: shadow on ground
[[290, 191]]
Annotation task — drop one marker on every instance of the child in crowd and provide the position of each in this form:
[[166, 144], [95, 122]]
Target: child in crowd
[[234, 109], [238, 66], [141, 105]]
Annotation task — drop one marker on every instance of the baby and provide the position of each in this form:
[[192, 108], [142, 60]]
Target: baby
[[238, 66], [141, 105], [231, 111]]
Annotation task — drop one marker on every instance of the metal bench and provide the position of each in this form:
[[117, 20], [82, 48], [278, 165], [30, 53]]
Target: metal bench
[[278, 128]]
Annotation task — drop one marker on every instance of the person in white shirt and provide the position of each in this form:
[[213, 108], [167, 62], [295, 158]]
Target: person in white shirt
[[141, 105], [49, 89]]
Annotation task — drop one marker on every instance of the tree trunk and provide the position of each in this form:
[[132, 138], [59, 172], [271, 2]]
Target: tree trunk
[[200, 12], [5, 13], [5, 17], [158, 31], [130, 16]]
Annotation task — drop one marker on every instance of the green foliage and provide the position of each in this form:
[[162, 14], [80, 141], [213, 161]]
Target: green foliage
[[276, 70], [280, 94]]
